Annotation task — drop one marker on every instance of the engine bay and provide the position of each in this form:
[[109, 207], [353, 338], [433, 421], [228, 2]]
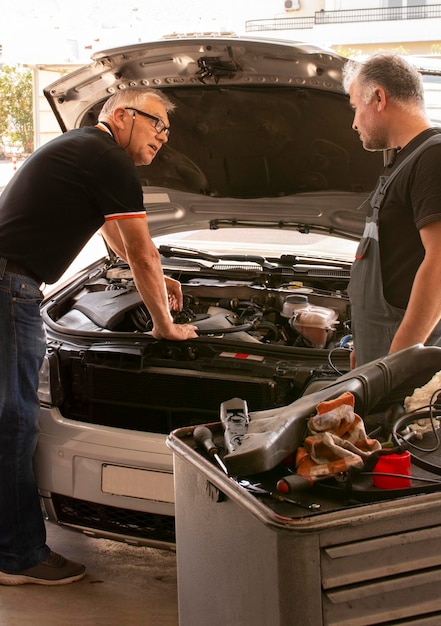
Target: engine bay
[[245, 306], [268, 330]]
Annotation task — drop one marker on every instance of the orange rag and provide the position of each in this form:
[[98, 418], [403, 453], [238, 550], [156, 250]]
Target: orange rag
[[337, 441]]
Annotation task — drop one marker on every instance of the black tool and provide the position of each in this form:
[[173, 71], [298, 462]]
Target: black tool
[[257, 490], [204, 439], [312, 507]]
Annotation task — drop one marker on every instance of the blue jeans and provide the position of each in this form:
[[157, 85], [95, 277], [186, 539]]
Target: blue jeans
[[22, 341]]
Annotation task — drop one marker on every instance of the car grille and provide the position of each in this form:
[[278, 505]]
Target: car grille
[[160, 400], [146, 527]]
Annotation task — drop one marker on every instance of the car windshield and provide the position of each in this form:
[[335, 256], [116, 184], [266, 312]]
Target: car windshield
[[265, 242]]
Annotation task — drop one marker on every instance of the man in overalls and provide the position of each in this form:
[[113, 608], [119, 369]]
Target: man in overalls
[[395, 286]]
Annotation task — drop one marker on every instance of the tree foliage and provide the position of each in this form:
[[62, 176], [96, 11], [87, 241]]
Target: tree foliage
[[16, 115]]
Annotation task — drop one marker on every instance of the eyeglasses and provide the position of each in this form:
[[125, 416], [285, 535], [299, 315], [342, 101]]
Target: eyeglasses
[[159, 125]]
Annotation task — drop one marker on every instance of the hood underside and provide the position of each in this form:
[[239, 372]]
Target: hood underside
[[254, 118]]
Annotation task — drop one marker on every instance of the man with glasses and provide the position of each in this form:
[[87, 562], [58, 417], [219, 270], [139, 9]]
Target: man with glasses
[[80, 182]]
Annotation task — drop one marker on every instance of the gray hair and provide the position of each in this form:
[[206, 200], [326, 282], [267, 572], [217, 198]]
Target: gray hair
[[135, 97], [400, 79]]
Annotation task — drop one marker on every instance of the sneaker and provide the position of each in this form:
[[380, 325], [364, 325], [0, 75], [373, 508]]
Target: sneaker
[[55, 570]]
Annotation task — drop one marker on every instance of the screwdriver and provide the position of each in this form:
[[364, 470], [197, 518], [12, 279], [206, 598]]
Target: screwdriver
[[258, 491], [298, 482], [204, 439], [277, 496]]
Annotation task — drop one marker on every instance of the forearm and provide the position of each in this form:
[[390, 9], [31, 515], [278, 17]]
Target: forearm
[[423, 311], [134, 244], [149, 281]]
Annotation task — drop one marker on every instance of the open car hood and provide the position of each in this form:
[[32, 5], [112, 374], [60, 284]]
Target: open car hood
[[261, 133]]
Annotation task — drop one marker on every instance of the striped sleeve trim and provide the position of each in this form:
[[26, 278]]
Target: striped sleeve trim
[[435, 217], [122, 216]]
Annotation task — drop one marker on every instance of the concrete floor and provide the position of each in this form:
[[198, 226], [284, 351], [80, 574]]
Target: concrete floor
[[124, 586]]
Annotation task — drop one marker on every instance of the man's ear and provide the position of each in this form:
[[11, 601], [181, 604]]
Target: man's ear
[[380, 98], [120, 117]]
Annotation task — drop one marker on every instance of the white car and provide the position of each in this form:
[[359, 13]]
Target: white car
[[254, 204]]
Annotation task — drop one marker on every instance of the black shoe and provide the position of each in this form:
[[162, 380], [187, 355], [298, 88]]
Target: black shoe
[[55, 570]]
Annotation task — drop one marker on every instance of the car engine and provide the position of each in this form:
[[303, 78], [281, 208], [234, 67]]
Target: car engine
[[290, 315]]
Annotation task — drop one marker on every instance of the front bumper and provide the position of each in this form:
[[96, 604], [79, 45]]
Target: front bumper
[[105, 481]]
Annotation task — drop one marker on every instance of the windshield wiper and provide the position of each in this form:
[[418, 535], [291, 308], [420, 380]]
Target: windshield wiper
[[285, 261], [199, 255]]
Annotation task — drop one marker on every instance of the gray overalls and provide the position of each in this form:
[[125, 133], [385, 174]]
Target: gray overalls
[[374, 321]]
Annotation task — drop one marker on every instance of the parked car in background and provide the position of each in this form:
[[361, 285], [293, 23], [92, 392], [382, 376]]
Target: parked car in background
[[255, 204]]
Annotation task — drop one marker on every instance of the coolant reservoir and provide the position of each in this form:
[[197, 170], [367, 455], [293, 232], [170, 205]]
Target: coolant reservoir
[[316, 323]]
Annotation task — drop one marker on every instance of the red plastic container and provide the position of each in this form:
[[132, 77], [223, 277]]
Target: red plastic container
[[393, 464]]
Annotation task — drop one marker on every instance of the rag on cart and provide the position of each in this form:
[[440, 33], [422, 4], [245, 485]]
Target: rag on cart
[[338, 440]]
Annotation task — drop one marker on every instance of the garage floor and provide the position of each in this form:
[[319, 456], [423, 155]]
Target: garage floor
[[124, 586]]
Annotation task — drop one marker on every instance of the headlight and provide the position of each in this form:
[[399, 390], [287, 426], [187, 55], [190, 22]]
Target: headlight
[[50, 389]]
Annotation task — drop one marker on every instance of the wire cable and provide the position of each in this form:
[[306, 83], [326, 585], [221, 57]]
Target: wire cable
[[426, 412]]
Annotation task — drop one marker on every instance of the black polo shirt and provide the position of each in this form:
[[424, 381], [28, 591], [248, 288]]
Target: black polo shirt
[[61, 196], [412, 201]]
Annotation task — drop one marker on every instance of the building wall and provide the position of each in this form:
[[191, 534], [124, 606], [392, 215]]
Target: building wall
[[45, 125], [419, 34]]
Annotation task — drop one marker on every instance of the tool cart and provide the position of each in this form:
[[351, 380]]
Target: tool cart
[[339, 552]]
